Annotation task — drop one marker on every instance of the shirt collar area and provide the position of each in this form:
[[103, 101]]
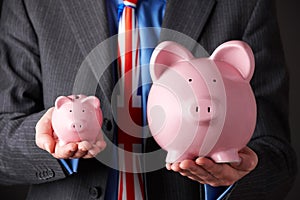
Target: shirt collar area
[[139, 1]]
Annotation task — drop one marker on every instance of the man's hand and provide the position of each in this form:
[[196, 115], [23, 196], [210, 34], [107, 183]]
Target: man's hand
[[206, 171], [46, 140]]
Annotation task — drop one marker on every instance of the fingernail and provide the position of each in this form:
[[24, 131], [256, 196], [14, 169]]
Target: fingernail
[[199, 161], [181, 166]]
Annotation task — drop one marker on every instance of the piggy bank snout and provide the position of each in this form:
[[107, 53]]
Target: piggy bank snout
[[201, 111], [77, 126]]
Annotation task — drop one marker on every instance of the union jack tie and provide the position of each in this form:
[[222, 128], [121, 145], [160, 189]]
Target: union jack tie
[[129, 107]]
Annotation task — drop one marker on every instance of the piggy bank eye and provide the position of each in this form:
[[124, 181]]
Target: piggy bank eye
[[190, 80], [70, 110], [83, 110]]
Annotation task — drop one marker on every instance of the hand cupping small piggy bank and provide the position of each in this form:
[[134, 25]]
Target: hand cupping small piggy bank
[[77, 118], [202, 106]]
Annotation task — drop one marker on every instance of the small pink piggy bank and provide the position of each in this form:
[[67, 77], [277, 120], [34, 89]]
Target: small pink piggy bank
[[202, 106], [77, 118]]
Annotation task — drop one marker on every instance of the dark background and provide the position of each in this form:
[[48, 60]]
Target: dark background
[[289, 22], [288, 12]]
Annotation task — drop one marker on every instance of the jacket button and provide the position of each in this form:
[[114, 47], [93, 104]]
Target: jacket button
[[95, 192], [39, 175], [44, 175], [50, 174], [107, 125]]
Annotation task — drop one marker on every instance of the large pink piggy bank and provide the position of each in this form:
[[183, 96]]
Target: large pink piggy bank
[[202, 106], [77, 118]]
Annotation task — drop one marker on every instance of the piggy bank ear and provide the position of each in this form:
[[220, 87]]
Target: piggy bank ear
[[239, 55], [61, 100], [94, 101], [165, 55]]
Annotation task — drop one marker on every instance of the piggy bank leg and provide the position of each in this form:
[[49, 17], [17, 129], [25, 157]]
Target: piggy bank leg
[[173, 156], [230, 155], [178, 156]]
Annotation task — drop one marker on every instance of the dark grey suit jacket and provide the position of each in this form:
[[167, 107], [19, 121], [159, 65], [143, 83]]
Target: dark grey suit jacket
[[44, 42]]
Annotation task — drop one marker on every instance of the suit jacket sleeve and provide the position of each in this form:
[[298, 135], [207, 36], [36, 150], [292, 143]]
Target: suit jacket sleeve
[[276, 168], [21, 101]]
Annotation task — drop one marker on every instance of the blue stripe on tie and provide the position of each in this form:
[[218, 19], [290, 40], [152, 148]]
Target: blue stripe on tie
[[66, 166], [120, 10], [74, 163], [216, 193]]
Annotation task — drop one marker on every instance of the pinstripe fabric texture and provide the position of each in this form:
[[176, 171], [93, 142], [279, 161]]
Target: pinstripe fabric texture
[[43, 44]]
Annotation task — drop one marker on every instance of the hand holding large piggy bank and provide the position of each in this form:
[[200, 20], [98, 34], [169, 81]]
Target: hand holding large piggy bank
[[78, 118], [202, 106]]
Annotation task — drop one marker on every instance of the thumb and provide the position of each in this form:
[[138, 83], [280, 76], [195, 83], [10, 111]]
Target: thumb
[[49, 146], [45, 141], [248, 161], [44, 133]]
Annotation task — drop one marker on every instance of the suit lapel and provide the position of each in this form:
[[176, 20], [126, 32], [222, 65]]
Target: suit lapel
[[187, 16], [88, 21]]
